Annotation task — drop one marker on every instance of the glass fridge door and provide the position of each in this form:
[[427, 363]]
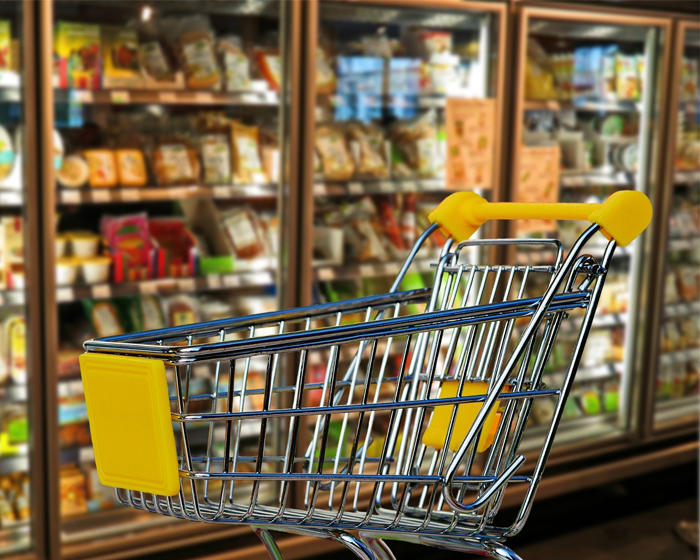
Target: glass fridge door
[[170, 184], [678, 368], [587, 126], [17, 380]]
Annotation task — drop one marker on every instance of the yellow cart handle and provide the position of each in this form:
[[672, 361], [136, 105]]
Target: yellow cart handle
[[622, 217]]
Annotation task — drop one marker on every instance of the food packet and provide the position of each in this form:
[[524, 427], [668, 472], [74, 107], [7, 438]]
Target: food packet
[[245, 142], [234, 63], [181, 310], [367, 141], [146, 313], [627, 79], [104, 316], [335, 158], [244, 233], [216, 158], [270, 66], [417, 143], [175, 162], [325, 76], [270, 148], [192, 39]]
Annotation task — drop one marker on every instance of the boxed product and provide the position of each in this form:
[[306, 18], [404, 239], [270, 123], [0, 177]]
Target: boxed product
[[6, 58], [129, 242], [234, 62], [175, 250], [120, 54], [77, 55], [192, 39]]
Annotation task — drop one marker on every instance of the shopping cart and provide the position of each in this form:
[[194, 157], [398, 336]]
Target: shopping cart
[[397, 416]]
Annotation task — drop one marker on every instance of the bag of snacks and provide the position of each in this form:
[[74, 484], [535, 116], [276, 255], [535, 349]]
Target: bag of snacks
[[234, 62], [245, 141], [367, 144], [193, 40], [336, 160], [216, 158], [175, 162], [417, 143], [244, 233]]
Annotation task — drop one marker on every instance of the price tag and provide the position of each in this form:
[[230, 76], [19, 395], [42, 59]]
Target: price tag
[[355, 188], [167, 97], [70, 197], [222, 192], [325, 273], [214, 281], [99, 195], [366, 269], [64, 294], [81, 96], [232, 281], [101, 291], [187, 285], [121, 97], [86, 454], [130, 195], [203, 97], [387, 187], [148, 288]]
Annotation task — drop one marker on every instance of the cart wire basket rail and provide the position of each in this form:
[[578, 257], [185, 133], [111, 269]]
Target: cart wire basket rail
[[396, 416]]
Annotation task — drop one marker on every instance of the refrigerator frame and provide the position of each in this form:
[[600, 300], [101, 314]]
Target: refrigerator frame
[[663, 206], [523, 12]]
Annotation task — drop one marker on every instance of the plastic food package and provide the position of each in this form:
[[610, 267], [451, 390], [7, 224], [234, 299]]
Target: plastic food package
[[234, 62], [131, 168], [156, 58], [181, 310], [120, 52], [369, 143], [128, 236], [417, 145], [687, 279], [6, 58], [336, 161], [175, 163], [270, 155], [74, 172], [102, 168], [7, 153], [245, 142], [193, 41], [270, 64], [627, 79], [689, 79], [216, 159], [146, 313], [325, 76], [104, 317], [243, 230], [77, 55]]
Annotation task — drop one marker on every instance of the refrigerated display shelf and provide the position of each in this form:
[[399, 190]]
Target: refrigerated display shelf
[[154, 194], [327, 273], [10, 464], [11, 198], [15, 538], [596, 373], [13, 393], [399, 100], [573, 430], [384, 187], [572, 179], [582, 104], [167, 286], [686, 177], [252, 97], [684, 244], [687, 355], [682, 408], [681, 309], [526, 255]]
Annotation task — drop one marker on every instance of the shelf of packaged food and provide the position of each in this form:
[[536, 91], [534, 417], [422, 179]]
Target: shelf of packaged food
[[594, 373], [573, 179], [684, 244], [397, 101], [15, 537], [10, 198], [165, 286], [680, 356], [253, 97], [154, 194], [13, 393], [388, 186], [573, 430], [686, 177], [582, 104], [690, 105], [369, 270], [14, 463], [681, 309], [532, 256]]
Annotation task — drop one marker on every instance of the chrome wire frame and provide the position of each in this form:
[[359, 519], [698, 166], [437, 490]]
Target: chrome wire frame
[[326, 406]]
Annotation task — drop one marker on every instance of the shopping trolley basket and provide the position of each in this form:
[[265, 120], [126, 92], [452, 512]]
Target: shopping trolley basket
[[395, 416]]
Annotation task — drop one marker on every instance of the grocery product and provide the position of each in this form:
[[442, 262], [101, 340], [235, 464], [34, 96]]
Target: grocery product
[[181, 310], [417, 145], [270, 155], [687, 280], [104, 317], [95, 269], [102, 168], [12, 249], [74, 172], [6, 58], [627, 78], [234, 62], [325, 76], [77, 55], [243, 231], [83, 244], [368, 142], [216, 159], [689, 79], [245, 142], [7, 153], [193, 41], [157, 61], [120, 58], [58, 149], [131, 167], [146, 313], [66, 271], [174, 245], [336, 161], [73, 491], [15, 334], [128, 237], [270, 64], [175, 163], [61, 244]]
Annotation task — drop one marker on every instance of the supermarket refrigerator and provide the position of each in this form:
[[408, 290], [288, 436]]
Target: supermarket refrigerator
[[392, 81], [167, 201], [672, 399], [589, 122]]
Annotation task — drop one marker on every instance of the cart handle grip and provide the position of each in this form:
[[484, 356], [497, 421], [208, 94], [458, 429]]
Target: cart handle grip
[[622, 217]]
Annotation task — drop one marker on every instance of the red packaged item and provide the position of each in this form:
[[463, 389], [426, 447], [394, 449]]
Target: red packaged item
[[128, 239], [389, 225], [270, 64], [175, 250]]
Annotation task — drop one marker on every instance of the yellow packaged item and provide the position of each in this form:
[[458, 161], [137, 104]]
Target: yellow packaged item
[[103, 170], [245, 141], [131, 168]]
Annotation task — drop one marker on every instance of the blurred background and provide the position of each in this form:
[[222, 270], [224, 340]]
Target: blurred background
[[292, 159]]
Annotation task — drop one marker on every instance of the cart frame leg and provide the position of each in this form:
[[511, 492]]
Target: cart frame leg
[[269, 541]]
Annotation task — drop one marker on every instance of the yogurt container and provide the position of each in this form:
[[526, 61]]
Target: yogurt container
[[96, 269], [83, 244], [61, 242], [66, 271]]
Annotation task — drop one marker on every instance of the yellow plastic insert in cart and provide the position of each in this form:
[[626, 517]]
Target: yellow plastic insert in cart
[[129, 412], [622, 217]]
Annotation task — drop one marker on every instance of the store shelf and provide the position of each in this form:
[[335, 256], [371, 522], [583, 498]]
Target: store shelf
[[166, 286], [573, 179], [148, 194], [253, 97], [14, 464], [681, 309], [15, 537], [582, 104], [680, 356], [383, 187], [686, 177], [11, 198], [604, 371], [397, 101], [684, 244], [327, 273], [13, 393]]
